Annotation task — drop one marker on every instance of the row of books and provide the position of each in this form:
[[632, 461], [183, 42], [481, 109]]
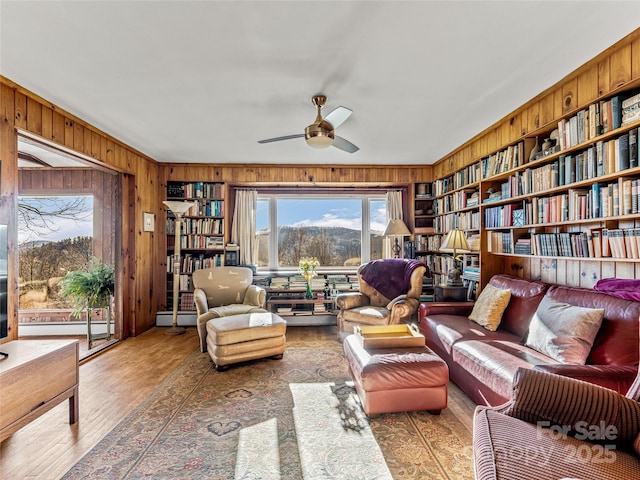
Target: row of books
[[511, 157], [186, 302], [197, 242], [457, 200], [602, 159], [600, 200], [593, 243], [329, 281], [463, 220], [427, 243], [207, 226], [597, 119], [184, 284], [195, 190], [207, 208], [462, 178], [190, 263]]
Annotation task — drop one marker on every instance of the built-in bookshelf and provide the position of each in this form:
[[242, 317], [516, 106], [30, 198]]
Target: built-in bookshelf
[[456, 205], [202, 239], [569, 190], [424, 244]]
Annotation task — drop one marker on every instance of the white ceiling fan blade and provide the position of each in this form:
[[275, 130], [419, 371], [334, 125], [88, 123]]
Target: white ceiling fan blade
[[345, 145], [338, 116], [286, 137]]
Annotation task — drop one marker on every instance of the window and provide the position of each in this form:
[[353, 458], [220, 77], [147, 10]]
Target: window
[[55, 236], [339, 230]]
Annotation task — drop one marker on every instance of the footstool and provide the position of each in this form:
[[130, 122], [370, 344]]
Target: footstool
[[238, 338], [397, 379]]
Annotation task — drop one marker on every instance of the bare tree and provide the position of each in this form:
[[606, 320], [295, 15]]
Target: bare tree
[[38, 215]]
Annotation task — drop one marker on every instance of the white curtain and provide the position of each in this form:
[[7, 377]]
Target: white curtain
[[394, 205], [394, 211], [243, 230]]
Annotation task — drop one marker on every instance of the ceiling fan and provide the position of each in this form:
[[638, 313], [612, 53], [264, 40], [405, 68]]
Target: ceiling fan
[[320, 134]]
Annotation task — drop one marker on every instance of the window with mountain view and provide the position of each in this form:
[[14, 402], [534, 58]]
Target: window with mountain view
[[340, 231], [55, 235]]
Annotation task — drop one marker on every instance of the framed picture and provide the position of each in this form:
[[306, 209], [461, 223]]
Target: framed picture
[[148, 221]]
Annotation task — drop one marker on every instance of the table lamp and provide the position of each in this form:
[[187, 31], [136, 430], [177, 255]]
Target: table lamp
[[179, 209], [454, 241], [396, 228]]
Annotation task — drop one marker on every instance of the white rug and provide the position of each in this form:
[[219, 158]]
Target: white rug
[[334, 438]]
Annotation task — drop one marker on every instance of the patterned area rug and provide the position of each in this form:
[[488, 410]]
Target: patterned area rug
[[295, 418]]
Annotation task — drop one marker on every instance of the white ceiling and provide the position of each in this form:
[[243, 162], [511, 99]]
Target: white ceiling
[[202, 81]]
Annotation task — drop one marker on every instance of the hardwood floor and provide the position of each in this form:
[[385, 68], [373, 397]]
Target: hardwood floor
[[112, 384]]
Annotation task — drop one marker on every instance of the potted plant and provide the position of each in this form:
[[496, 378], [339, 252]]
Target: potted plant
[[91, 289]]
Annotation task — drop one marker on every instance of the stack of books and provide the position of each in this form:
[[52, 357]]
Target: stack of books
[[279, 282]]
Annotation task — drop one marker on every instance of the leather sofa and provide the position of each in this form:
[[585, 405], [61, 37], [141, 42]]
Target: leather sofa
[[483, 363]]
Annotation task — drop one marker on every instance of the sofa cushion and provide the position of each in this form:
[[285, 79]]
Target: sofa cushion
[[564, 332], [525, 297], [367, 315], [445, 330], [489, 307], [617, 340], [494, 362]]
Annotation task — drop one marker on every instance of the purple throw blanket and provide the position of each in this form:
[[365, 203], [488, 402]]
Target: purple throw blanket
[[626, 288], [390, 276]]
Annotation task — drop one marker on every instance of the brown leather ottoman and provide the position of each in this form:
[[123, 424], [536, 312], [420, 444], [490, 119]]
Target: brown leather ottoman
[[397, 379], [238, 338]]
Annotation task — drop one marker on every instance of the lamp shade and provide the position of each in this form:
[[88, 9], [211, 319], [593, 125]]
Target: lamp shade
[[455, 241], [396, 227], [178, 207]]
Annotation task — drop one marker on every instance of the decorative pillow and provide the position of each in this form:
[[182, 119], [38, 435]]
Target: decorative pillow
[[564, 332], [490, 306]]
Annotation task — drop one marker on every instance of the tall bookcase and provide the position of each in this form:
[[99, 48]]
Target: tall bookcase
[[456, 205], [202, 237], [565, 193]]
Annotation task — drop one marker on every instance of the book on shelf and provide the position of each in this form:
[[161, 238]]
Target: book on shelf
[[594, 243]]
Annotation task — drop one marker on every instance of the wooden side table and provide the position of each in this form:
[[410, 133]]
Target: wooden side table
[[444, 293], [35, 377]]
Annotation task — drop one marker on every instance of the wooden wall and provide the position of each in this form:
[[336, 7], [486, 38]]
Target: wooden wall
[[614, 70], [143, 179], [21, 110]]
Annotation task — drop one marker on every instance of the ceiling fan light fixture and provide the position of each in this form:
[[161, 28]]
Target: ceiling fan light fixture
[[319, 135]]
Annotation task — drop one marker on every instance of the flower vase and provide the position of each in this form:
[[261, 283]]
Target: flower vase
[[309, 294]]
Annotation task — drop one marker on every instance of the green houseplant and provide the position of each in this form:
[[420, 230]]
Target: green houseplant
[[91, 289]]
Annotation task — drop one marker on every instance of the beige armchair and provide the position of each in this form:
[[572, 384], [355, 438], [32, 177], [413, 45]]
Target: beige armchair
[[222, 292], [389, 294]]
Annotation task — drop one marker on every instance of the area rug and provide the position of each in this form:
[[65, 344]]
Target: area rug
[[295, 418]]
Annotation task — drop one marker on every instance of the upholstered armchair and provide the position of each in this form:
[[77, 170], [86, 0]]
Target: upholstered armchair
[[224, 291], [557, 427], [389, 294]]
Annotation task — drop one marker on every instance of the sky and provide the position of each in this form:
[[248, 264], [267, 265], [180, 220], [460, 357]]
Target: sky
[[344, 212], [65, 228]]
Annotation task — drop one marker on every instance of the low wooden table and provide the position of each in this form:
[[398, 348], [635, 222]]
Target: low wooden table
[[35, 377], [304, 311]]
